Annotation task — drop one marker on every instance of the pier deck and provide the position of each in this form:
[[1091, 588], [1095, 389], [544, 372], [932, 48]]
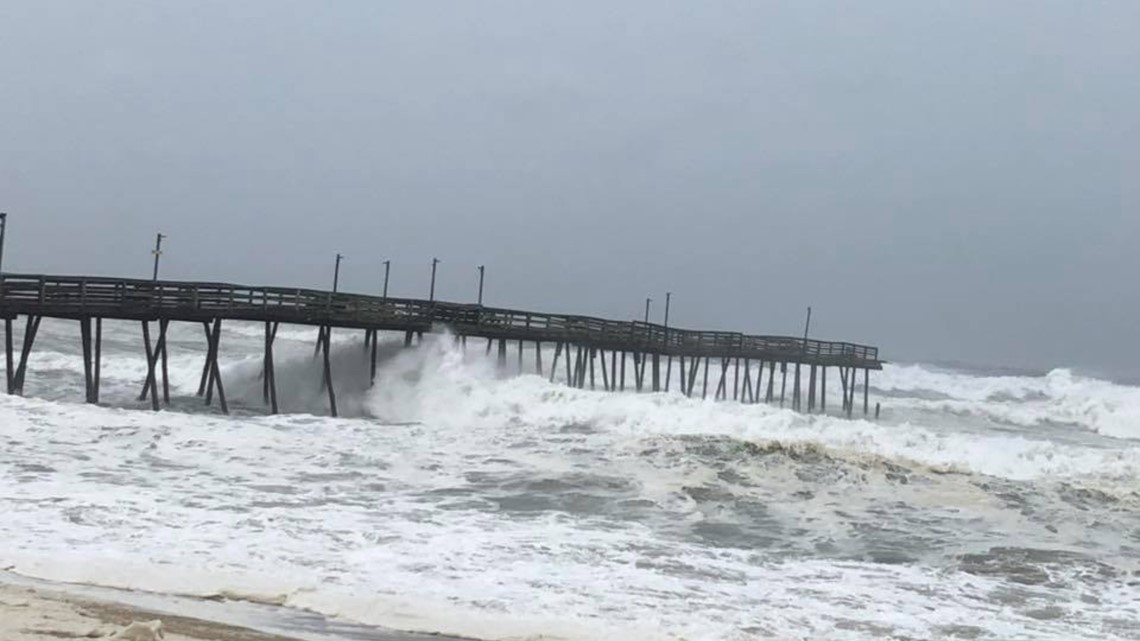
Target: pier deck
[[88, 299]]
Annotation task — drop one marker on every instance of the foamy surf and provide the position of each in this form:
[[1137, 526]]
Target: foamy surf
[[462, 502]]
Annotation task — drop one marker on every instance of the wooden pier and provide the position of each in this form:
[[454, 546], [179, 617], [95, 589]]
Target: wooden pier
[[592, 351]]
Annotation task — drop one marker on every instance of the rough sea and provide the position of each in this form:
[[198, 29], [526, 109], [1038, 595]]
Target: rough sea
[[454, 499]]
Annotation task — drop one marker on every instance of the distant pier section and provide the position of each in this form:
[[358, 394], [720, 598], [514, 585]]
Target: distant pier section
[[592, 352]]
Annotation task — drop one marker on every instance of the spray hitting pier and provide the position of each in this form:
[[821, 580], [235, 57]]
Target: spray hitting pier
[[592, 352]]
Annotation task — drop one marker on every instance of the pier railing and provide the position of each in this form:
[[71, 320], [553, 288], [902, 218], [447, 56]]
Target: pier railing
[[81, 296]]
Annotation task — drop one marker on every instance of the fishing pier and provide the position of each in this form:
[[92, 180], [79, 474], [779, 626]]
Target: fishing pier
[[593, 352]]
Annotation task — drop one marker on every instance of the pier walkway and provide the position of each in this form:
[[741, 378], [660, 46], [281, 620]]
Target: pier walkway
[[579, 341]]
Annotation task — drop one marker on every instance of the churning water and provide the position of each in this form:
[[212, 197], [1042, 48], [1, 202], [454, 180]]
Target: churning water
[[456, 501]]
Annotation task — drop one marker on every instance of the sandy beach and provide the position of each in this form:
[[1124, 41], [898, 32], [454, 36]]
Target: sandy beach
[[32, 610], [35, 614]]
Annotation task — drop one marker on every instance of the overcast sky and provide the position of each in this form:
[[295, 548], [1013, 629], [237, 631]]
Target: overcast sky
[[949, 180]]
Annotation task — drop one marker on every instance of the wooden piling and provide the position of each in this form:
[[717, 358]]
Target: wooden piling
[[605, 375], [796, 389], [705, 390], [771, 382], [623, 370], [721, 389], [8, 357], [823, 389], [866, 389], [538, 357], [30, 329], [593, 357], [372, 366], [811, 389], [657, 372], [747, 393], [736, 380], [98, 364], [271, 370], [554, 364], [215, 378], [204, 381], [162, 326], [148, 383], [783, 381], [328, 373], [88, 374]]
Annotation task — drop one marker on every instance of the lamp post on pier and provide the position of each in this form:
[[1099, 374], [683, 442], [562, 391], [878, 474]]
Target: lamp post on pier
[[3, 227], [647, 302], [482, 272], [387, 272], [336, 272], [157, 254], [431, 292]]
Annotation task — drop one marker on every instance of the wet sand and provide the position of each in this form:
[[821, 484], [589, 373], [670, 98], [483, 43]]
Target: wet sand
[[35, 611]]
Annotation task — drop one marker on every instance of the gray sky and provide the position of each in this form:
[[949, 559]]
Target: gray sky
[[948, 180]]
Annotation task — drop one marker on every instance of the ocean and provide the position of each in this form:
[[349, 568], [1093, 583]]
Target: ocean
[[453, 499]]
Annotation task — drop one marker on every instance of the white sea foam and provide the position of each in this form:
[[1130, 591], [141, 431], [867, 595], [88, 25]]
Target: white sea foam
[[1058, 397], [404, 517]]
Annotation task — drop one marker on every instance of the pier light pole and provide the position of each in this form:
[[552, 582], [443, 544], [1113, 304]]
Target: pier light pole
[[431, 292], [387, 272], [668, 297], [482, 272], [336, 272], [3, 226], [807, 326], [157, 254], [647, 302]]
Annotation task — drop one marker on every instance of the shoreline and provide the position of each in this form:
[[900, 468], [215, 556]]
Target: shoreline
[[36, 610]]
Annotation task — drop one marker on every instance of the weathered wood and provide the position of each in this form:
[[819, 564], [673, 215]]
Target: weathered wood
[[372, 365], [823, 389], [736, 380], [721, 389], [694, 367], [215, 382], [328, 374], [796, 389], [656, 373], [669, 370], [502, 361], [622, 370], [746, 394], [148, 383], [843, 382], [538, 357], [637, 370], [605, 376], [520, 364], [88, 374], [811, 389], [771, 382], [683, 380], [31, 327], [98, 364], [271, 370], [554, 363], [163, 324], [593, 357], [783, 381], [613, 371], [866, 389], [705, 391], [8, 356], [205, 366], [571, 381]]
